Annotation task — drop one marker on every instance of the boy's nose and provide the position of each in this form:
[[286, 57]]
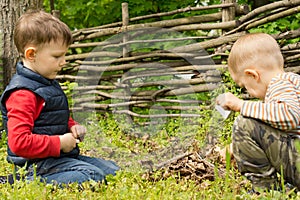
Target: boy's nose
[[63, 62]]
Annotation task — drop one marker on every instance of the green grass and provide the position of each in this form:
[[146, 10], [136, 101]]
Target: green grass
[[130, 145], [108, 140]]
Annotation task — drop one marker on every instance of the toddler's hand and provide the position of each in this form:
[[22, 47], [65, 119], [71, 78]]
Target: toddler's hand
[[229, 102], [67, 142], [78, 132]]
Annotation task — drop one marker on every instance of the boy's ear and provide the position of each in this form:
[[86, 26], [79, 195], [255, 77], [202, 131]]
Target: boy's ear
[[252, 73], [30, 53]]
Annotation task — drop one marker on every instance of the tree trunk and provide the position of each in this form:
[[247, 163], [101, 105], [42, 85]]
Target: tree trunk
[[10, 12]]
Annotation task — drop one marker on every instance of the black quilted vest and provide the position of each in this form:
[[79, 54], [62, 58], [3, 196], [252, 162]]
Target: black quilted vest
[[53, 119]]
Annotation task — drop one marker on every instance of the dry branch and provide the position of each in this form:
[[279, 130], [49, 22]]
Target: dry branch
[[293, 69], [92, 87], [93, 55], [160, 24], [93, 65], [274, 17], [240, 9], [116, 59], [108, 44], [220, 25], [271, 6], [209, 44], [159, 40], [250, 21], [180, 66], [176, 82], [128, 112], [179, 101], [89, 44], [187, 9], [154, 107], [167, 162], [291, 46], [94, 98], [73, 77], [295, 57], [89, 99], [192, 89], [288, 34]]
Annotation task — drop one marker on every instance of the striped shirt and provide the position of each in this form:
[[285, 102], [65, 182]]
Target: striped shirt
[[281, 107]]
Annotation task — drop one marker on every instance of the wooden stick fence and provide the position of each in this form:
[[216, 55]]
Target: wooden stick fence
[[155, 69]]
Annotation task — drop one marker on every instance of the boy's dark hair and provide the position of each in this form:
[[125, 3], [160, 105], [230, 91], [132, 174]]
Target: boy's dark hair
[[37, 27]]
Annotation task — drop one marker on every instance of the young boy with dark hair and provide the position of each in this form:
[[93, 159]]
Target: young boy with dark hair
[[265, 132], [35, 109]]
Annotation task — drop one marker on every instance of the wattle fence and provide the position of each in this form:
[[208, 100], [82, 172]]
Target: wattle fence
[[163, 63]]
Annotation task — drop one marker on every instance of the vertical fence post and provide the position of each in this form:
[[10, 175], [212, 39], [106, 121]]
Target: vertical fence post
[[228, 13], [125, 23]]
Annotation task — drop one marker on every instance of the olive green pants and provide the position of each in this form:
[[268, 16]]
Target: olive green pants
[[262, 151]]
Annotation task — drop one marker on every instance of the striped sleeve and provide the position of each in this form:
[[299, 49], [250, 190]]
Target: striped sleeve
[[281, 106]]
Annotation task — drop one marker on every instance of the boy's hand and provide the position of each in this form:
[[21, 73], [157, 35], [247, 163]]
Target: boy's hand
[[67, 142], [78, 132], [229, 102]]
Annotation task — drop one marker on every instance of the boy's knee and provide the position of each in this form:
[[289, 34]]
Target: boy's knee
[[243, 132]]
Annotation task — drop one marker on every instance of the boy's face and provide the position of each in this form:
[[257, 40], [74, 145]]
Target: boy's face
[[252, 84], [48, 59]]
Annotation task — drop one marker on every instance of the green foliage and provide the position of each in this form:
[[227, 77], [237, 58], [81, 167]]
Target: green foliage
[[87, 13], [297, 145], [281, 25], [3, 139], [68, 89], [91, 13]]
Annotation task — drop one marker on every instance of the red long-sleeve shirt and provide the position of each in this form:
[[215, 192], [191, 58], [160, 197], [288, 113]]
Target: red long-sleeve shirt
[[23, 108]]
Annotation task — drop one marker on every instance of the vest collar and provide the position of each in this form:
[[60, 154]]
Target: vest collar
[[28, 73]]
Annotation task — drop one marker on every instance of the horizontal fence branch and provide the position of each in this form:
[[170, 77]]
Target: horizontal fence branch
[[131, 113], [209, 44], [219, 25], [160, 24], [240, 9], [117, 59], [108, 44], [272, 6], [274, 17]]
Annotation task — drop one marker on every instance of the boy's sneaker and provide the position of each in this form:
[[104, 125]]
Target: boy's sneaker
[[3, 179], [9, 179], [288, 188]]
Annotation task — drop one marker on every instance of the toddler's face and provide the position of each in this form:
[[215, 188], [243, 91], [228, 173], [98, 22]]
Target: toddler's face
[[49, 59], [254, 87]]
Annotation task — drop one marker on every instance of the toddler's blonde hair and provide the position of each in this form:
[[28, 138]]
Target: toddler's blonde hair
[[255, 49]]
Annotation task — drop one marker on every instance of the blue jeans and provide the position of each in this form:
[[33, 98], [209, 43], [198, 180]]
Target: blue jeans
[[67, 170]]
